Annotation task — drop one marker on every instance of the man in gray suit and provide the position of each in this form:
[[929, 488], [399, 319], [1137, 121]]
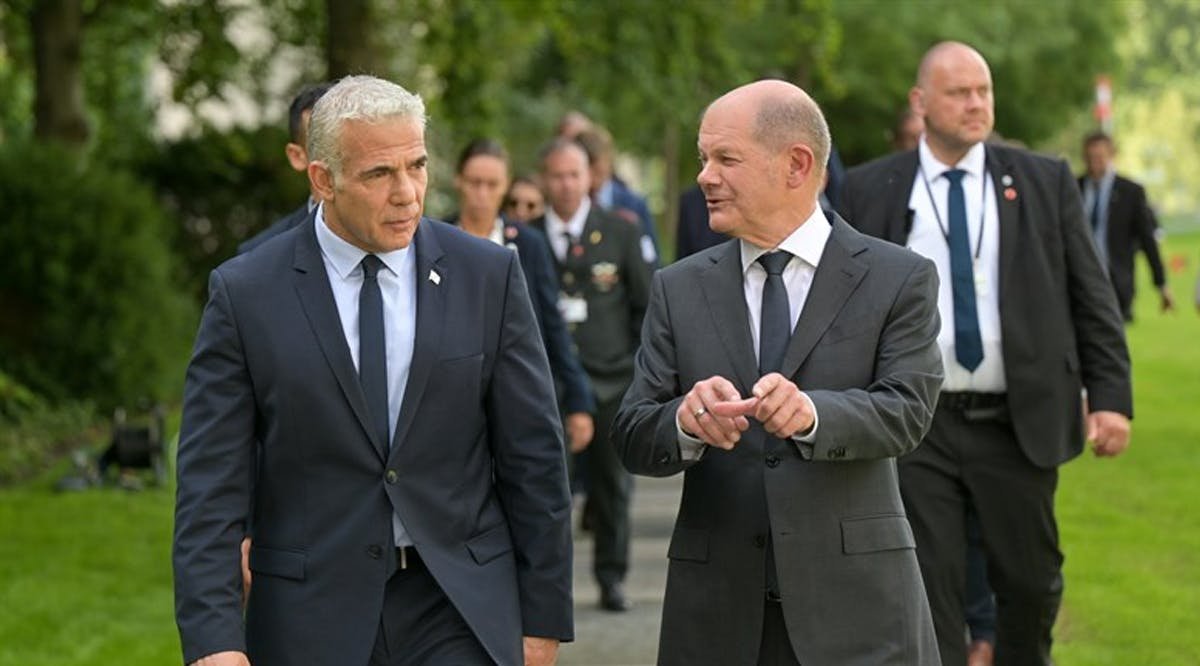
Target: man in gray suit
[[783, 372], [385, 373]]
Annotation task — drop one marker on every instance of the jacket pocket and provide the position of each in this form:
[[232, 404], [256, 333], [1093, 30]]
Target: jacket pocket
[[689, 543], [872, 534], [489, 545], [276, 562]]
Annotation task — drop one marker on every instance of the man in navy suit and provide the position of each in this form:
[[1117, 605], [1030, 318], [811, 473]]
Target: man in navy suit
[[410, 501], [299, 112]]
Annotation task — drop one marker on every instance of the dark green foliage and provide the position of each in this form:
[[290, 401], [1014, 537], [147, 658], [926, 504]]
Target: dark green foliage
[[33, 433], [88, 306], [220, 188]]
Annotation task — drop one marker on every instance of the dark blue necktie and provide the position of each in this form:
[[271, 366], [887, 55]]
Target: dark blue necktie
[[775, 325], [1096, 207], [372, 351], [968, 346], [774, 331]]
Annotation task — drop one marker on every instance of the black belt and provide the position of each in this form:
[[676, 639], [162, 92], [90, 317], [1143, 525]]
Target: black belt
[[975, 406]]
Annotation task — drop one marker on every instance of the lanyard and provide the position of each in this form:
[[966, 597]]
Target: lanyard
[[938, 216]]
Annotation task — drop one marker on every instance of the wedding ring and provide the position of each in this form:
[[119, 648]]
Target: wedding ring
[[700, 412]]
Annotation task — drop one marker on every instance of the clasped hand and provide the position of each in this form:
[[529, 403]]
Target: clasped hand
[[715, 413]]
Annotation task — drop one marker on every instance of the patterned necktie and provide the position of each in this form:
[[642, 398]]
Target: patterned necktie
[[372, 350], [775, 323], [968, 345]]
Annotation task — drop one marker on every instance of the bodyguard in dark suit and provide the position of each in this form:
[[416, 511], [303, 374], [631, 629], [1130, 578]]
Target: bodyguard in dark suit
[[410, 500], [1122, 223], [299, 113], [783, 372], [1028, 322], [605, 284]]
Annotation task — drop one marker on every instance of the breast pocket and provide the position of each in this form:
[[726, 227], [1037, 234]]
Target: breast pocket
[[872, 534]]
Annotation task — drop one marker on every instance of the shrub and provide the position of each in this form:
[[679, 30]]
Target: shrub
[[89, 307]]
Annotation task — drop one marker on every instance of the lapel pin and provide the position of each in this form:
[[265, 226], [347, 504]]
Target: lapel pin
[[577, 251], [510, 232], [1006, 180], [1010, 194], [595, 237], [434, 277]]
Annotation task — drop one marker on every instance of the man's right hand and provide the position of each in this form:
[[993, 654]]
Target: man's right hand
[[223, 659], [714, 412]]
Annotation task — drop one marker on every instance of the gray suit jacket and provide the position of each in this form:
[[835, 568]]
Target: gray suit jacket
[[865, 352], [475, 469]]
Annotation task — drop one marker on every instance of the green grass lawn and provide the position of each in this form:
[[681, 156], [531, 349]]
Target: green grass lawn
[[85, 578]]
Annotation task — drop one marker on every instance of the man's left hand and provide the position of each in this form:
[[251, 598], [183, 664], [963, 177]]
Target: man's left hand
[[1108, 432], [579, 430], [540, 651]]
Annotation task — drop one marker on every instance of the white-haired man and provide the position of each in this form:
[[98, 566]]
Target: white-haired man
[[409, 488]]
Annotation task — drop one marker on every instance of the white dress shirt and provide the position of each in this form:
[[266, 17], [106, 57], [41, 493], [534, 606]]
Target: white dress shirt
[[929, 238], [398, 286], [806, 244], [558, 228]]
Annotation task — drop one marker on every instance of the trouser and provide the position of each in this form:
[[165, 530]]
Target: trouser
[[966, 460], [420, 626], [609, 488]]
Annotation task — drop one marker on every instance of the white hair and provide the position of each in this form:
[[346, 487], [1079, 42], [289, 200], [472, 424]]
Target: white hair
[[360, 98]]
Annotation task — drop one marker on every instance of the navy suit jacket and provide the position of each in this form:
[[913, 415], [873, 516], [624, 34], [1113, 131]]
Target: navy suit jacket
[[475, 469], [624, 198]]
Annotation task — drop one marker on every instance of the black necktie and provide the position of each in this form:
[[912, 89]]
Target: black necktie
[[774, 331], [968, 345], [775, 325], [372, 351]]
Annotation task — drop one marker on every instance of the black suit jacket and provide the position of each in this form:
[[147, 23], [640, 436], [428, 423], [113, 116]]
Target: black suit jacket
[[285, 223], [614, 279], [865, 351], [1059, 322], [476, 468], [1131, 226]]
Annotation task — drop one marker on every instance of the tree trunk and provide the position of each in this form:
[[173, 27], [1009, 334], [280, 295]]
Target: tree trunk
[[58, 106], [350, 42], [669, 222]]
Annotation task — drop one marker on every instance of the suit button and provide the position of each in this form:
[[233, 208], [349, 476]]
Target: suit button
[[773, 461], [374, 551], [760, 541], [391, 476]]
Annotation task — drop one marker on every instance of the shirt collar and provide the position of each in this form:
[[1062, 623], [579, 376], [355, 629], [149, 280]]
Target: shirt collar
[[972, 162], [345, 257], [807, 242], [573, 226]]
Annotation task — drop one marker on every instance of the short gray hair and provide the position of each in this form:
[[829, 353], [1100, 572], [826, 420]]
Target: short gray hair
[[784, 120], [362, 98]]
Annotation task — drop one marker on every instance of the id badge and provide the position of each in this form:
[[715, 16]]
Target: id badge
[[573, 309]]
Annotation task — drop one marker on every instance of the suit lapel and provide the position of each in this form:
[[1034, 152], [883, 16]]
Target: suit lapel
[[430, 323], [1007, 186], [837, 276], [316, 297], [899, 191], [722, 287]]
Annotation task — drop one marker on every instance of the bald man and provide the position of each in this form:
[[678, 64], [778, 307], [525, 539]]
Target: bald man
[[791, 545], [1028, 322]]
